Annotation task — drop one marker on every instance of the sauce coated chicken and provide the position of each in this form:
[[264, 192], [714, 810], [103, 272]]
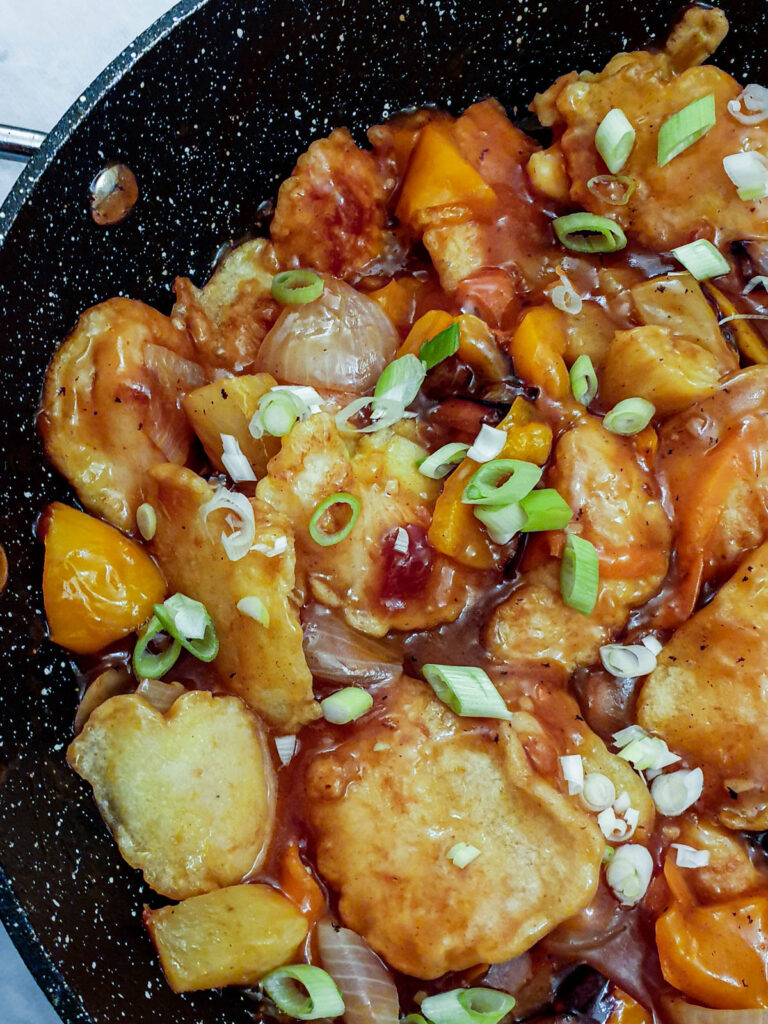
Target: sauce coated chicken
[[421, 579]]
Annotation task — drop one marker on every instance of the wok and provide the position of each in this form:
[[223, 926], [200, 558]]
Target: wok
[[209, 108]]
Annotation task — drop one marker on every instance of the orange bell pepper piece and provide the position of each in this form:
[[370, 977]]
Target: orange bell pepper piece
[[398, 300], [627, 1010], [455, 530], [438, 176], [537, 348], [716, 954], [298, 885], [98, 585], [477, 344]]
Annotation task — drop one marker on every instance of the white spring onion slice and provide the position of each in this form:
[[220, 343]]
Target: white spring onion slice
[[677, 791], [501, 482], [402, 541], [273, 548], [599, 792], [463, 854], [386, 412], [572, 768], [653, 645], [146, 520], [488, 444], [304, 992], [242, 523], [648, 752], [311, 398], [690, 857], [625, 736], [367, 987], [749, 173], [702, 259], [466, 690], [629, 416], [234, 461], [605, 188], [612, 827], [632, 818], [502, 523], [627, 662], [579, 574], [755, 100], [401, 380], [629, 873], [286, 748], [583, 380], [614, 139], [565, 297], [758, 281], [346, 705], [467, 1006], [545, 509], [254, 608], [685, 127], [440, 463], [622, 802]]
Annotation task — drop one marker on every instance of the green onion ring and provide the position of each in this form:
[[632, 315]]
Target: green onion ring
[[320, 998], [297, 287], [153, 666], [318, 535], [501, 482], [604, 235]]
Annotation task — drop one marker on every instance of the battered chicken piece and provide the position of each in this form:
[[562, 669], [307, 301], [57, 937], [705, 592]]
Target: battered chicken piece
[[230, 316], [714, 468], [110, 407], [263, 665], [616, 508], [708, 696], [691, 195], [388, 804], [380, 469], [189, 796], [331, 212]]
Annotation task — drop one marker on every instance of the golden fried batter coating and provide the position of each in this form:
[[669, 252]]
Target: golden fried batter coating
[[388, 804]]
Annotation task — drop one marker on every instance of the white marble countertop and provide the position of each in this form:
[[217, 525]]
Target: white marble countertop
[[49, 51]]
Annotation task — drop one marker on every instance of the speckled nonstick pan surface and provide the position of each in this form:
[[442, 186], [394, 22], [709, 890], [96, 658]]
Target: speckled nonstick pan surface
[[210, 108]]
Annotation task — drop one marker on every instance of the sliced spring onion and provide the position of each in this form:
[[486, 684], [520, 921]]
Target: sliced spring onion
[[468, 1006], [749, 173], [501, 482], [440, 463], [605, 188], [153, 666], [648, 752], [466, 690], [188, 622], [622, 802], [545, 509], [346, 705], [565, 297], [286, 748], [304, 992], [386, 412], [488, 444], [612, 827], [572, 766], [401, 380], [583, 380], [442, 346], [701, 259], [755, 100], [271, 549], [234, 460], [586, 232], [598, 792], [653, 645], [308, 395], [238, 543], [629, 872], [503, 522], [316, 532], [627, 662], [579, 574], [690, 857], [758, 281], [629, 416], [279, 410], [677, 791], [297, 287], [402, 541], [463, 854], [146, 520], [254, 608], [614, 139], [625, 736], [685, 127]]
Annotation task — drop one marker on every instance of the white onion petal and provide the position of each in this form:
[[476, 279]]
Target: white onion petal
[[565, 297], [337, 652], [755, 99], [690, 857], [682, 1012], [242, 522], [758, 281], [369, 992]]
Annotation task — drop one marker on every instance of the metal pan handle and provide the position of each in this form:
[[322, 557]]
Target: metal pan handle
[[19, 143]]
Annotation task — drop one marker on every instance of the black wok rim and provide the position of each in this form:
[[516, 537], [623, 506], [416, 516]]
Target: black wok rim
[[64, 1001]]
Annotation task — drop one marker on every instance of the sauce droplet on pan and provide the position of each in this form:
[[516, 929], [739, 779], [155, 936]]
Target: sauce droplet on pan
[[3, 569], [114, 192]]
